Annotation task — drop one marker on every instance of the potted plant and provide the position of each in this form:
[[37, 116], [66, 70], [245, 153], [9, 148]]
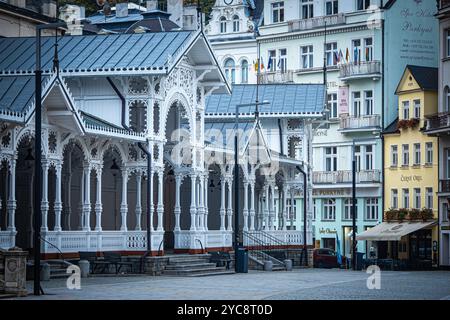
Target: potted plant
[[391, 214], [412, 123], [402, 124], [402, 213], [426, 214], [414, 214]]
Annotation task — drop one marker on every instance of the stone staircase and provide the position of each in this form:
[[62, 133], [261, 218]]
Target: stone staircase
[[58, 268], [193, 266]]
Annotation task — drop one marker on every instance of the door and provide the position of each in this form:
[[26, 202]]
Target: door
[[329, 243]]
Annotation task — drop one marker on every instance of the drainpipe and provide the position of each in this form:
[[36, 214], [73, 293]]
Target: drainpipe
[[149, 161], [305, 250]]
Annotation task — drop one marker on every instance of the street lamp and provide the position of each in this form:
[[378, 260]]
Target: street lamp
[[37, 146], [354, 195]]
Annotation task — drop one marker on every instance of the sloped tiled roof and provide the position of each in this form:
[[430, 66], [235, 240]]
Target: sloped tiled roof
[[426, 77], [117, 52], [295, 99], [392, 128]]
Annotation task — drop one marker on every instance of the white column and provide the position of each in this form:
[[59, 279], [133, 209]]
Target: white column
[[230, 205], [201, 210], [222, 203], [98, 201], [252, 205], [160, 208], [58, 204], [124, 204], [266, 209], [44, 201], [87, 199], [152, 206], [67, 198], [292, 216], [206, 210], [245, 209], [82, 194], [272, 208], [193, 209], [177, 209], [11, 204], [285, 212], [138, 210]]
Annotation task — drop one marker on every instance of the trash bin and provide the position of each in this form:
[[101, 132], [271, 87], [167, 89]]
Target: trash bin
[[242, 260], [359, 260]]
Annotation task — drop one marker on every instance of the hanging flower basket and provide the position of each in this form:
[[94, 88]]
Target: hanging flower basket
[[426, 214]]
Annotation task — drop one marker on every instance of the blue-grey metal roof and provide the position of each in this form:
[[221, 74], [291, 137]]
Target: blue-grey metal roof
[[221, 134], [117, 52], [295, 99], [17, 92], [99, 18]]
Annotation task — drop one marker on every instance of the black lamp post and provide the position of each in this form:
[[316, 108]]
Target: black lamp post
[[37, 147]]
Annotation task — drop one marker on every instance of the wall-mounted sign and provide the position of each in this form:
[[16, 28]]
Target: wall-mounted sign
[[412, 178], [321, 133], [327, 231], [339, 192], [343, 100]]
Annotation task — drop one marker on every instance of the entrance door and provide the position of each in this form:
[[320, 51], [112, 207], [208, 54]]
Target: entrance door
[[329, 243], [420, 253]]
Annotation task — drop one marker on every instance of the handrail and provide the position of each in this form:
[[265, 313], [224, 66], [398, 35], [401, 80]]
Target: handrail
[[159, 247], [201, 245]]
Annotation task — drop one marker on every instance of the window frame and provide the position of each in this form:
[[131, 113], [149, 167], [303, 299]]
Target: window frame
[[394, 155], [417, 108], [406, 109], [277, 10], [372, 209], [244, 71], [348, 206], [307, 9], [223, 24], [417, 154], [356, 104], [329, 210], [417, 198], [368, 103], [331, 159], [236, 23], [429, 153], [307, 57], [334, 6], [405, 198], [331, 49], [230, 71], [394, 198], [405, 155], [333, 105], [362, 5]]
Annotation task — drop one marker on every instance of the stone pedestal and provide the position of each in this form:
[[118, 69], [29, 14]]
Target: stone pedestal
[[268, 265], [13, 272], [84, 268], [288, 264]]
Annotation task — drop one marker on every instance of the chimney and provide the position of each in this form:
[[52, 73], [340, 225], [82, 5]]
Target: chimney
[[122, 10], [48, 8], [18, 3], [73, 15], [152, 5]]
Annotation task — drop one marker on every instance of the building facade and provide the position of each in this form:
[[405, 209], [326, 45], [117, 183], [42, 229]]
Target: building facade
[[411, 169], [438, 126], [356, 42]]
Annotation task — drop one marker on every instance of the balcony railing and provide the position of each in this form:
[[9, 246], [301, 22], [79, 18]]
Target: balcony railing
[[316, 22], [438, 121], [367, 176], [443, 4], [445, 186], [358, 123], [360, 70], [276, 77]]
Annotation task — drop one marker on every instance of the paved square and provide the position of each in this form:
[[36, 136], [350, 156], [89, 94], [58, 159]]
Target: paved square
[[257, 285]]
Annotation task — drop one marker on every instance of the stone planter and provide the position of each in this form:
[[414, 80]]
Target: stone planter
[[13, 272]]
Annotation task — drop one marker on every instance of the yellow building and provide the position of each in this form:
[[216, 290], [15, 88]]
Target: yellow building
[[408, 236]]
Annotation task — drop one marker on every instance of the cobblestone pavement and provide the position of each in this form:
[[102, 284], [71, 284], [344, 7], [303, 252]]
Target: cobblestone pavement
[[258, 285]]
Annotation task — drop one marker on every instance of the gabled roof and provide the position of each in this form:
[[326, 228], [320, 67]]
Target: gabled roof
[[392, 128], [116, 53], [427, 78], [284, 99]]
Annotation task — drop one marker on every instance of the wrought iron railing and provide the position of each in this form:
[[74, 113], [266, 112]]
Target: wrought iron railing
[[445, 185], [276, 77], [443, 4], [438, 121], [316, 22], [359, 69], [368, 121]]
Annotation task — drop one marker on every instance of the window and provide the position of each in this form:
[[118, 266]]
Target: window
[[417, 198], [282, 62], [278, 12], [236, 23], [362, 4], [447, 99], [417, 109], [230, 70], [405, 198], [405, 110], [372, 209], [307, 9], [332, 7], [307, 54], [244, 71], [329, 210], [368, 49], [369, 157], [348, 205], [333, 105], [358, 158], [429, 198], [291, 210], [356, 104], [356, 47], [273, 60], [394, 156], [445, 216], [331, 53], [368, 102], [417, 154], [223, 25], [394, 198], [447, 168], [331, 159], [429, 153], [448, 43], [314, 209], [405, 153]]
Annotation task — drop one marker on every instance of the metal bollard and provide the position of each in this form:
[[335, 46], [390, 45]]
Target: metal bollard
[[45, 272], [84, 268], [288, 264]]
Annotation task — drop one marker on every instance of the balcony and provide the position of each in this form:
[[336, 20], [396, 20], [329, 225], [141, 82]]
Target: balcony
[[316, 22], [328, 177], [444, 186], [438, 123], [365, 69], [360, 124], [276, 77], [444, 4]]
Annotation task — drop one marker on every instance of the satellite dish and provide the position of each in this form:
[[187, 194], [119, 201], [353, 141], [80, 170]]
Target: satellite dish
[[100, 3]]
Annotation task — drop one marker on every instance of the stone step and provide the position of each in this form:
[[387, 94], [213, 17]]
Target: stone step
[[187, 272], [188, 260], [189, 266], [214, 273]]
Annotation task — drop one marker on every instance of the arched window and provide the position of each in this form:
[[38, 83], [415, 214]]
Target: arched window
[[329, 210], [244, 71], [236, 23], [447, 98], [223, 25], [230, 70]]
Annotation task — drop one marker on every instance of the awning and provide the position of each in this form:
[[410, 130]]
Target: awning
[[392, 231]]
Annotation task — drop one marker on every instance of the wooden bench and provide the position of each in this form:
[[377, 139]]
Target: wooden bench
[[221, 259], [115, 258]]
